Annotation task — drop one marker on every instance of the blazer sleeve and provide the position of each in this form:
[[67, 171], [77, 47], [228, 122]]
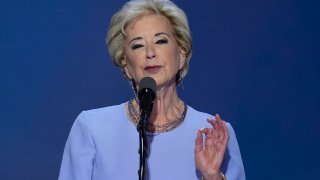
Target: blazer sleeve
[[79, 153], [232, 165]]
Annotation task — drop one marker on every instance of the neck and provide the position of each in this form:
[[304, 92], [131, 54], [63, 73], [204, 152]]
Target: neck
[[167, 106]]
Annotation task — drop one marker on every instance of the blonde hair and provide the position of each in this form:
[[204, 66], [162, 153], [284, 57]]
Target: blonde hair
[[137, 8]]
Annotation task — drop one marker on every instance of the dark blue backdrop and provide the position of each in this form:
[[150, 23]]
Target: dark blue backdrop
[[254, 62]]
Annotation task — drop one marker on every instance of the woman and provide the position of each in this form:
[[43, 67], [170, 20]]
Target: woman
[[151, 38]]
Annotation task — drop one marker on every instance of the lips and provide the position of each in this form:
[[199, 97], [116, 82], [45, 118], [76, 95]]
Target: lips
[[152, 69]]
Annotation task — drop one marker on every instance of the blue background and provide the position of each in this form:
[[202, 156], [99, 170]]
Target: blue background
[[254, 62]]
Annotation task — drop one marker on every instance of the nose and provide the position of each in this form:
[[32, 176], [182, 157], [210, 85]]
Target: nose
[[150, 54]]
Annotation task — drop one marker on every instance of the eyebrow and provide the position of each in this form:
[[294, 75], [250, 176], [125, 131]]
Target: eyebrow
[[160, 33], [137, 38], [157, 34]]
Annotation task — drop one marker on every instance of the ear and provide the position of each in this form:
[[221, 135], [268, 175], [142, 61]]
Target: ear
[[124, 64], [182, 57]]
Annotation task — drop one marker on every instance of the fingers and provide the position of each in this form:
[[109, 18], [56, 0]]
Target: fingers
[[208, 132], [223, 127], [211, 144], [203, 143], [218, 134], [198, 141], [220, 128]]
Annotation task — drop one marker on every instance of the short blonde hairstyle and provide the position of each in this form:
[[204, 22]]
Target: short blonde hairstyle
[[137, 8]]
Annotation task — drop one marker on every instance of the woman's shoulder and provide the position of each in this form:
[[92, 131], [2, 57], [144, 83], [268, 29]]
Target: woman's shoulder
[[113, 109], [192, 112], [195, 114], [103, 114]]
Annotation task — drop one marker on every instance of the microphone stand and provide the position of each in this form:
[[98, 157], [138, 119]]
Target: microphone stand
[[146, 96], [143, 142]]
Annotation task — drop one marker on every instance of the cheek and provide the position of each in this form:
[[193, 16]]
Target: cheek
[[133, 67], [134, 58], [131, 60], [173, 66], [178, 63]]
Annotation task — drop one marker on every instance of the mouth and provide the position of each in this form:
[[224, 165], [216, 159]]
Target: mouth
[[152, 69]]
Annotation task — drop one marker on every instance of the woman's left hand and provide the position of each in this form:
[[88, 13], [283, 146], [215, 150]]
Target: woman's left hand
[[209, 154]]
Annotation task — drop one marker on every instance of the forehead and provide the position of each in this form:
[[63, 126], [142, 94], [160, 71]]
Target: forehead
[[146, 24]]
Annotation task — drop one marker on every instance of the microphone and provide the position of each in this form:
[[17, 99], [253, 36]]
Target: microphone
[[146, 95]]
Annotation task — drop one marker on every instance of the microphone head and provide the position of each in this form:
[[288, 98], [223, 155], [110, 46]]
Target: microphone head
[[147, 85]]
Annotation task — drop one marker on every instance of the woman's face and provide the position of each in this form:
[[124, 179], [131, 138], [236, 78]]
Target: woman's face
[[151, 50]]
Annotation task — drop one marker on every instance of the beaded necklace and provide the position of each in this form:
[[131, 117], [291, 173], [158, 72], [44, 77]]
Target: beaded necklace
[[134, 117]]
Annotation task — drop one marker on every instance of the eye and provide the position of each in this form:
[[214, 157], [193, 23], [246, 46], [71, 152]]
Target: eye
[[162, 41], [136, 46]]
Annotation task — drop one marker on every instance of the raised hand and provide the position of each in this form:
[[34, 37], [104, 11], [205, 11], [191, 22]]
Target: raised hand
[[209, 152]]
